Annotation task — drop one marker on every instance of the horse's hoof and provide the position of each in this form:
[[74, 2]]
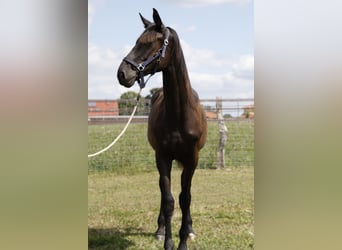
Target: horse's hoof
[[168, 245], [160, 237], [192, 236]]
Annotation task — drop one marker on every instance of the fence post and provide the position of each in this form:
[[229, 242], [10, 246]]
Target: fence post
[[222, 135]]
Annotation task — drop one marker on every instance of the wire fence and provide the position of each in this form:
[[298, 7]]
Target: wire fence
[[132, 153]]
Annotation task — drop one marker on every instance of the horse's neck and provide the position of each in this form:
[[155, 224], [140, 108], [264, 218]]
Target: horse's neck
[[177, 89]]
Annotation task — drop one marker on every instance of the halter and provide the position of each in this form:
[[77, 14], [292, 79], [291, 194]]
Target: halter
[[156, 56]]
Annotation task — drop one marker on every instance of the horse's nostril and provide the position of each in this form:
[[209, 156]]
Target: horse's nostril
[[121, 75]]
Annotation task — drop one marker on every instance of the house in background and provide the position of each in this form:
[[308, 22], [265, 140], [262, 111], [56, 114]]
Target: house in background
[[211, 115], [103, 108], [248, 111]]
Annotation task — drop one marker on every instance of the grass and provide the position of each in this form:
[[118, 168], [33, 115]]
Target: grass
[[124, 197], [132, 153], [123, 209]]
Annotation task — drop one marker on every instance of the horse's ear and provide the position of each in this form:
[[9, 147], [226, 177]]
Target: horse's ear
[[145, 21], [157, 20]]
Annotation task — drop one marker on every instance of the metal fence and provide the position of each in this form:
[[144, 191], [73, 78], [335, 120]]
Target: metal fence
[[133, 151]]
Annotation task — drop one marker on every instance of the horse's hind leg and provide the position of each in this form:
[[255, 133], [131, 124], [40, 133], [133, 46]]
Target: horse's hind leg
[[184, 201], [167, 201]]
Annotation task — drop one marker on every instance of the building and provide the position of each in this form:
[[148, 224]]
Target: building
[[211, 114], [103, 108], [248, 111]]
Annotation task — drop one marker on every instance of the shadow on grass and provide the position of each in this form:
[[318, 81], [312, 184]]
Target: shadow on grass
[[113, 238]]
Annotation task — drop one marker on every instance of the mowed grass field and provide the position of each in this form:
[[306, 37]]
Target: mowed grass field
[[123, 209]]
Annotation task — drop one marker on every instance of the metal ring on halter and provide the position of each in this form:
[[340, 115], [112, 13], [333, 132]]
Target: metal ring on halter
[[141, 67], [166, 42]]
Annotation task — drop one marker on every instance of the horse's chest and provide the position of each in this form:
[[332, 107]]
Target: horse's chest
[[176, 142], [172, 139]]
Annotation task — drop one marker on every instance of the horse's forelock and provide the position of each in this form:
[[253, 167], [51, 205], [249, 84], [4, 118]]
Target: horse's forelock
[[150, 36]]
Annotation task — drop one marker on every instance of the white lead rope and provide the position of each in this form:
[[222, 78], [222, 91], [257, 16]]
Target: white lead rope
[[122, 132]]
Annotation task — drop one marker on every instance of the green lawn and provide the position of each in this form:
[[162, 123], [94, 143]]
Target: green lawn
[[123, 209]]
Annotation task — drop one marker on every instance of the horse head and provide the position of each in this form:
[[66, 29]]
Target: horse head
[[149, 55]]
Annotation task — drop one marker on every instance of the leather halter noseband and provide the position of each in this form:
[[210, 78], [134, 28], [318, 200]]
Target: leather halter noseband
[[156, 56]]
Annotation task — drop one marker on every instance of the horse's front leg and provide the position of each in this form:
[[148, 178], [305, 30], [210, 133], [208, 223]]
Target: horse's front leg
[[160, 234], [185, 201], [167, 202]]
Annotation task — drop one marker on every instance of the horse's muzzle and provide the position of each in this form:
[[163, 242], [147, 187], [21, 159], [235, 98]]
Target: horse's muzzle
[[126, 75]]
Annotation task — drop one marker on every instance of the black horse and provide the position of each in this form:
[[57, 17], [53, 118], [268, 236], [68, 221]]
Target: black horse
[[177, 127]]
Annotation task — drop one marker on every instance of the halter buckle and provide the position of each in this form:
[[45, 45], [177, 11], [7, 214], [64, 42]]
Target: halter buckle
[[141, 67]]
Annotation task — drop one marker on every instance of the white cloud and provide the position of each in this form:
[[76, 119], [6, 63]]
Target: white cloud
[[195, 3], [223, 85], [93, 5], [102, 66], [217, 75], [203, 59], [244, 68]]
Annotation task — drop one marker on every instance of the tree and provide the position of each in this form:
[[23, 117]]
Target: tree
[[152, 91], [127, 103], [129, 95]]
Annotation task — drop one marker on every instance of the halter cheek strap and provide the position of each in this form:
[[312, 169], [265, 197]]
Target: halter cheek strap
[[156, 56]]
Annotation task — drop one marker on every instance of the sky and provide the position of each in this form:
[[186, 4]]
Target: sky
[[217, 38]]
